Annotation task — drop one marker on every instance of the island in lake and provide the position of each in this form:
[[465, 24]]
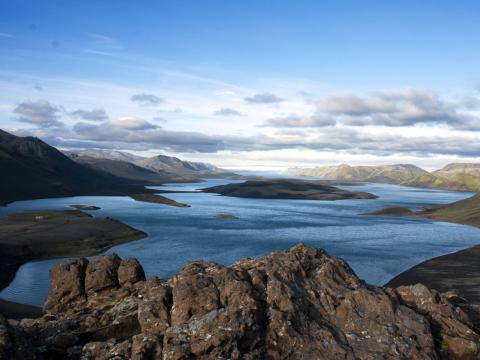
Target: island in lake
[[287, 189], [157, 199]]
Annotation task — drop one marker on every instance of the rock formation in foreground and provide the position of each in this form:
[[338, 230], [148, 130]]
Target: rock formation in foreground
[[296, 304]]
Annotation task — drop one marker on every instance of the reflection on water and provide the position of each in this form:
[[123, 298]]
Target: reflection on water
[[377, 248]]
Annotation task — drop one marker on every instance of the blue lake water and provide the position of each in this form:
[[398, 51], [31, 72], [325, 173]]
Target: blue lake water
[[377, 248]]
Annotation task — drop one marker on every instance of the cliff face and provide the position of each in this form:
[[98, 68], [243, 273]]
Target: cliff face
[[296, 304]]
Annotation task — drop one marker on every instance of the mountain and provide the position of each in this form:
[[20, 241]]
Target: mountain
[[32, 169], [451, 170], [392, 174], [104, 154], [457, 177], [176, 166], [129, 170]]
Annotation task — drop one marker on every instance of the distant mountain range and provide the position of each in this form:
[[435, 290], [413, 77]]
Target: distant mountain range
[[32, 169], [175, 165], [105, 154], [151, 170], [457, 176]]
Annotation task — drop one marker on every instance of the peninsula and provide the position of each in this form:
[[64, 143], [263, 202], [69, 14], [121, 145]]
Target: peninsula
[[459, 271], [28, 236]]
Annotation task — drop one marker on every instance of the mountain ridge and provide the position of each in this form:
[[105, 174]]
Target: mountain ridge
[[32, 169], [455, 176]]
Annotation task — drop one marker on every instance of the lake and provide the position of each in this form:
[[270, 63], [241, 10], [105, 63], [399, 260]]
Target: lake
[[377, 248]]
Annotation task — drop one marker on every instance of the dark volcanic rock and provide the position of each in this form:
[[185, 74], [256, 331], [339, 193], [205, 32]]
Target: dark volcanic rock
[[287, 189], [101, 273], [130, 271], [67, 285], [296, 304]]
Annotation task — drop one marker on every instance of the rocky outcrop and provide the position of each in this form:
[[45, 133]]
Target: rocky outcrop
[[296, 304]]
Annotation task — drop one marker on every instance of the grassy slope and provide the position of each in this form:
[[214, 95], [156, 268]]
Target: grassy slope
[[465, 212], [462, 212], [453, 177]]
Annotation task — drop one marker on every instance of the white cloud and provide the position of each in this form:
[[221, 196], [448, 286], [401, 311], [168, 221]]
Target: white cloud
[[147, 99], [90, 115], [40, 113], [130, 123], [227, 112], [264, 98]]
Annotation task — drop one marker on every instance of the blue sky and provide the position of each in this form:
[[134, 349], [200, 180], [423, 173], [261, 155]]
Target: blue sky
[[201, 57]]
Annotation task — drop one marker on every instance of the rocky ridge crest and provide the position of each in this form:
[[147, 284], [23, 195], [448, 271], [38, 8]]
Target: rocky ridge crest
[[295, 304]]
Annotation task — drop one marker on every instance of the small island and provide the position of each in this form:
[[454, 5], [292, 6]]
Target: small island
[[85, 207], [28, 236], [392, 211], [287, 189], [226, 216], [157, 199]]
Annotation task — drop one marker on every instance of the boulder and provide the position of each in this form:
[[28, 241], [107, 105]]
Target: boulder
[[129, 272], [66, 286], [295, 304], [101, 273], [451, 327]]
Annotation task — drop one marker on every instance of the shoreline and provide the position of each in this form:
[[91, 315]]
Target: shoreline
[[30, 236], [458, 271]]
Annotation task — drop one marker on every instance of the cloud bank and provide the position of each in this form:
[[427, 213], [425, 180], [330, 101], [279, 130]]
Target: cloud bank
[[388, 109]]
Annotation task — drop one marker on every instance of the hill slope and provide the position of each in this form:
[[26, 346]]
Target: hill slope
[[129, 170], [32, 169], [462, 212], [175, 165], [104, 154], [394, 174]]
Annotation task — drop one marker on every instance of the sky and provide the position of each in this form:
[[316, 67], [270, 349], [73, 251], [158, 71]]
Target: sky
[[257, 85]]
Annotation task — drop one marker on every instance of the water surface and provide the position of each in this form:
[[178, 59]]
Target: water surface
[[377, 248]]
